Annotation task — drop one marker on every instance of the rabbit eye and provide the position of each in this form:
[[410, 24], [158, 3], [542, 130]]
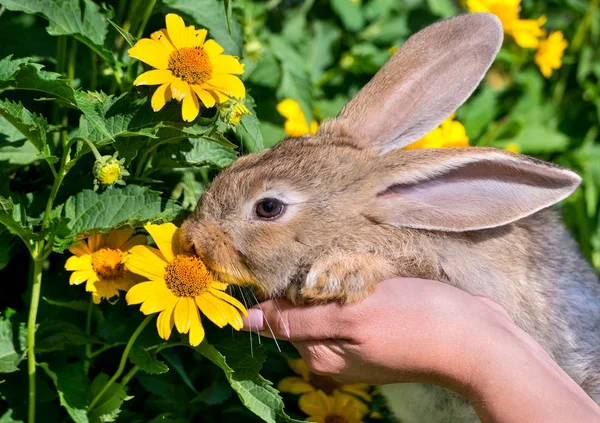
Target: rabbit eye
[[269, 208]]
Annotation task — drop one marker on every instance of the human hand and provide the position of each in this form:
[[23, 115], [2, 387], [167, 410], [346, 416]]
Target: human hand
[[413, 330]]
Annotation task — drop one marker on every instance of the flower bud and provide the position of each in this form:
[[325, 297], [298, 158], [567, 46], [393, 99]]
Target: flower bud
[[233, 112], [109, 170]]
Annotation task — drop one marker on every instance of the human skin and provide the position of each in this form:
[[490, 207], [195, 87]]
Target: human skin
[[414, 330]]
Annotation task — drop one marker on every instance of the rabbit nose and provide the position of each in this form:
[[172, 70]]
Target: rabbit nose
[[200, 237]]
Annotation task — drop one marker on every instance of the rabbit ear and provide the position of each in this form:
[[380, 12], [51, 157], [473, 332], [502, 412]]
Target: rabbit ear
[[431, 75], [465, 189]]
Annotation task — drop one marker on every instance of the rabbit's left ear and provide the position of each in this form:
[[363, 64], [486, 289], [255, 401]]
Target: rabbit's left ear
[[463, 189], [432, 74]]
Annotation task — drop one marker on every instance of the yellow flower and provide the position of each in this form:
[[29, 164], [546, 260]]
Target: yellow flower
[[550, 52], [237, 113], [187, 68], [526, 32], [338, 408], [311, 382], [100, 263], [513, 147], [450, 134], [296, 123], [178, 285]]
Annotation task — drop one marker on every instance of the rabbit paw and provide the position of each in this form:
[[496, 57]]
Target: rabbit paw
[[348, 278]]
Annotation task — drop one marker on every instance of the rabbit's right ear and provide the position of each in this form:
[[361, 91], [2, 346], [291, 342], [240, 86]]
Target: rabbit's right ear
[[431, 75]]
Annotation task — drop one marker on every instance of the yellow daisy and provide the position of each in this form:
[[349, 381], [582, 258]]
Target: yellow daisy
[[337, 408], [188, 68], [308, 381], [526, 32], [450, 134], [178, 285], [296, 123], [550, 52], [100, 263]]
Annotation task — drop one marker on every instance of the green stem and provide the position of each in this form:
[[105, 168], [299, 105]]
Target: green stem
[[92, 147], [71, 63], [129, 375], [38, 263], [94, 71], [104, 348], [122, 363], [56, 185], [88, 331], [149, 7]]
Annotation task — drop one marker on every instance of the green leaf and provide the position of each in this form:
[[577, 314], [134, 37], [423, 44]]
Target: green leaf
[[242, 372], [127, 36], [80, 18], [13, 340], [194, 152], [78, 305], [8, 218], [249, 128], [108, 407], [8, 418], [479, 112], [90, 212], [9, 68], [34, 127], [350, 14], [539, 137], [211, 15], [443, 8], [31, 76], [147, 360], [56, 335], [320, 53], [20, 153], [7, 247], [73, 389]]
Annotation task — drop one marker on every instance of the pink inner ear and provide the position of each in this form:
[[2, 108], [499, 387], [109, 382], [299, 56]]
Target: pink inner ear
[[476, 195]]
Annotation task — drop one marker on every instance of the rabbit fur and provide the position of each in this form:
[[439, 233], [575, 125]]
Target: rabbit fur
[[359, 209]]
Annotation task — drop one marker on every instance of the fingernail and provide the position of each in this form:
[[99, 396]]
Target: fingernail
[[255, 320]]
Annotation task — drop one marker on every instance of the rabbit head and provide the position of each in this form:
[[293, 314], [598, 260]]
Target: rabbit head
[[278, 219]]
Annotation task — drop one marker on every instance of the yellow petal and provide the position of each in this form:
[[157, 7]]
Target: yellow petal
[[176, 30], [157, 302], [190, 108], [162, 37], [146, 261], [219, 97], [179, 89], [96, 298], [229, 313], [212, 48], [209, 306], [125, 283], [290, 109], [207, 99], [140, 292], [229, 299], [133, 241], [198, 38], [313, 404], [182, 314], [150, 52], [80, 249], [360, 390], [80, 276], [196, 329], [154, 77], [299, 367], [166, 237], [165, 322], [79, 263], [160, 97], [227, 64], [90, 285], [294, 385], [228, 84], [118, 237], [95, 242], [218, 285], [106, 289]]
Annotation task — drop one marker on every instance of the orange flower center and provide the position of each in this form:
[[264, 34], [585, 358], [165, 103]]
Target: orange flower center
[[106, 262], [324, 383], [335, 419], [187, 276], [191, 64]]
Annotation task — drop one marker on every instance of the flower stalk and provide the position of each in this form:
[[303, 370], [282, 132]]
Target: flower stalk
[[38, 264]]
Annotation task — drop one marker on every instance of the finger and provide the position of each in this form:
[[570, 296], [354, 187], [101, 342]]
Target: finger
[[278, 318]]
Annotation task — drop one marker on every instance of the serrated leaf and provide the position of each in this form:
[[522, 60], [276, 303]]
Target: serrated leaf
[[8, 418], [211, 15], [108, 407], [91, 212], [194, 152], [320, 51], [10, 67], [127, 36], [13, 339], [56, 335], [242, 371], [7, 247], [80, 18], [34, 127], [147, 360], [73, 389], [20, 153], [249, 129], [8, 217], [31, 76]]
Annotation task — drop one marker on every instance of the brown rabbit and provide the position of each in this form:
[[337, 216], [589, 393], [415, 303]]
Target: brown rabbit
[[326, 217]]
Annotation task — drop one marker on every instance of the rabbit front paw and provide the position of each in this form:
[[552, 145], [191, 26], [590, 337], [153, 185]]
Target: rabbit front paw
[[348, 278]]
